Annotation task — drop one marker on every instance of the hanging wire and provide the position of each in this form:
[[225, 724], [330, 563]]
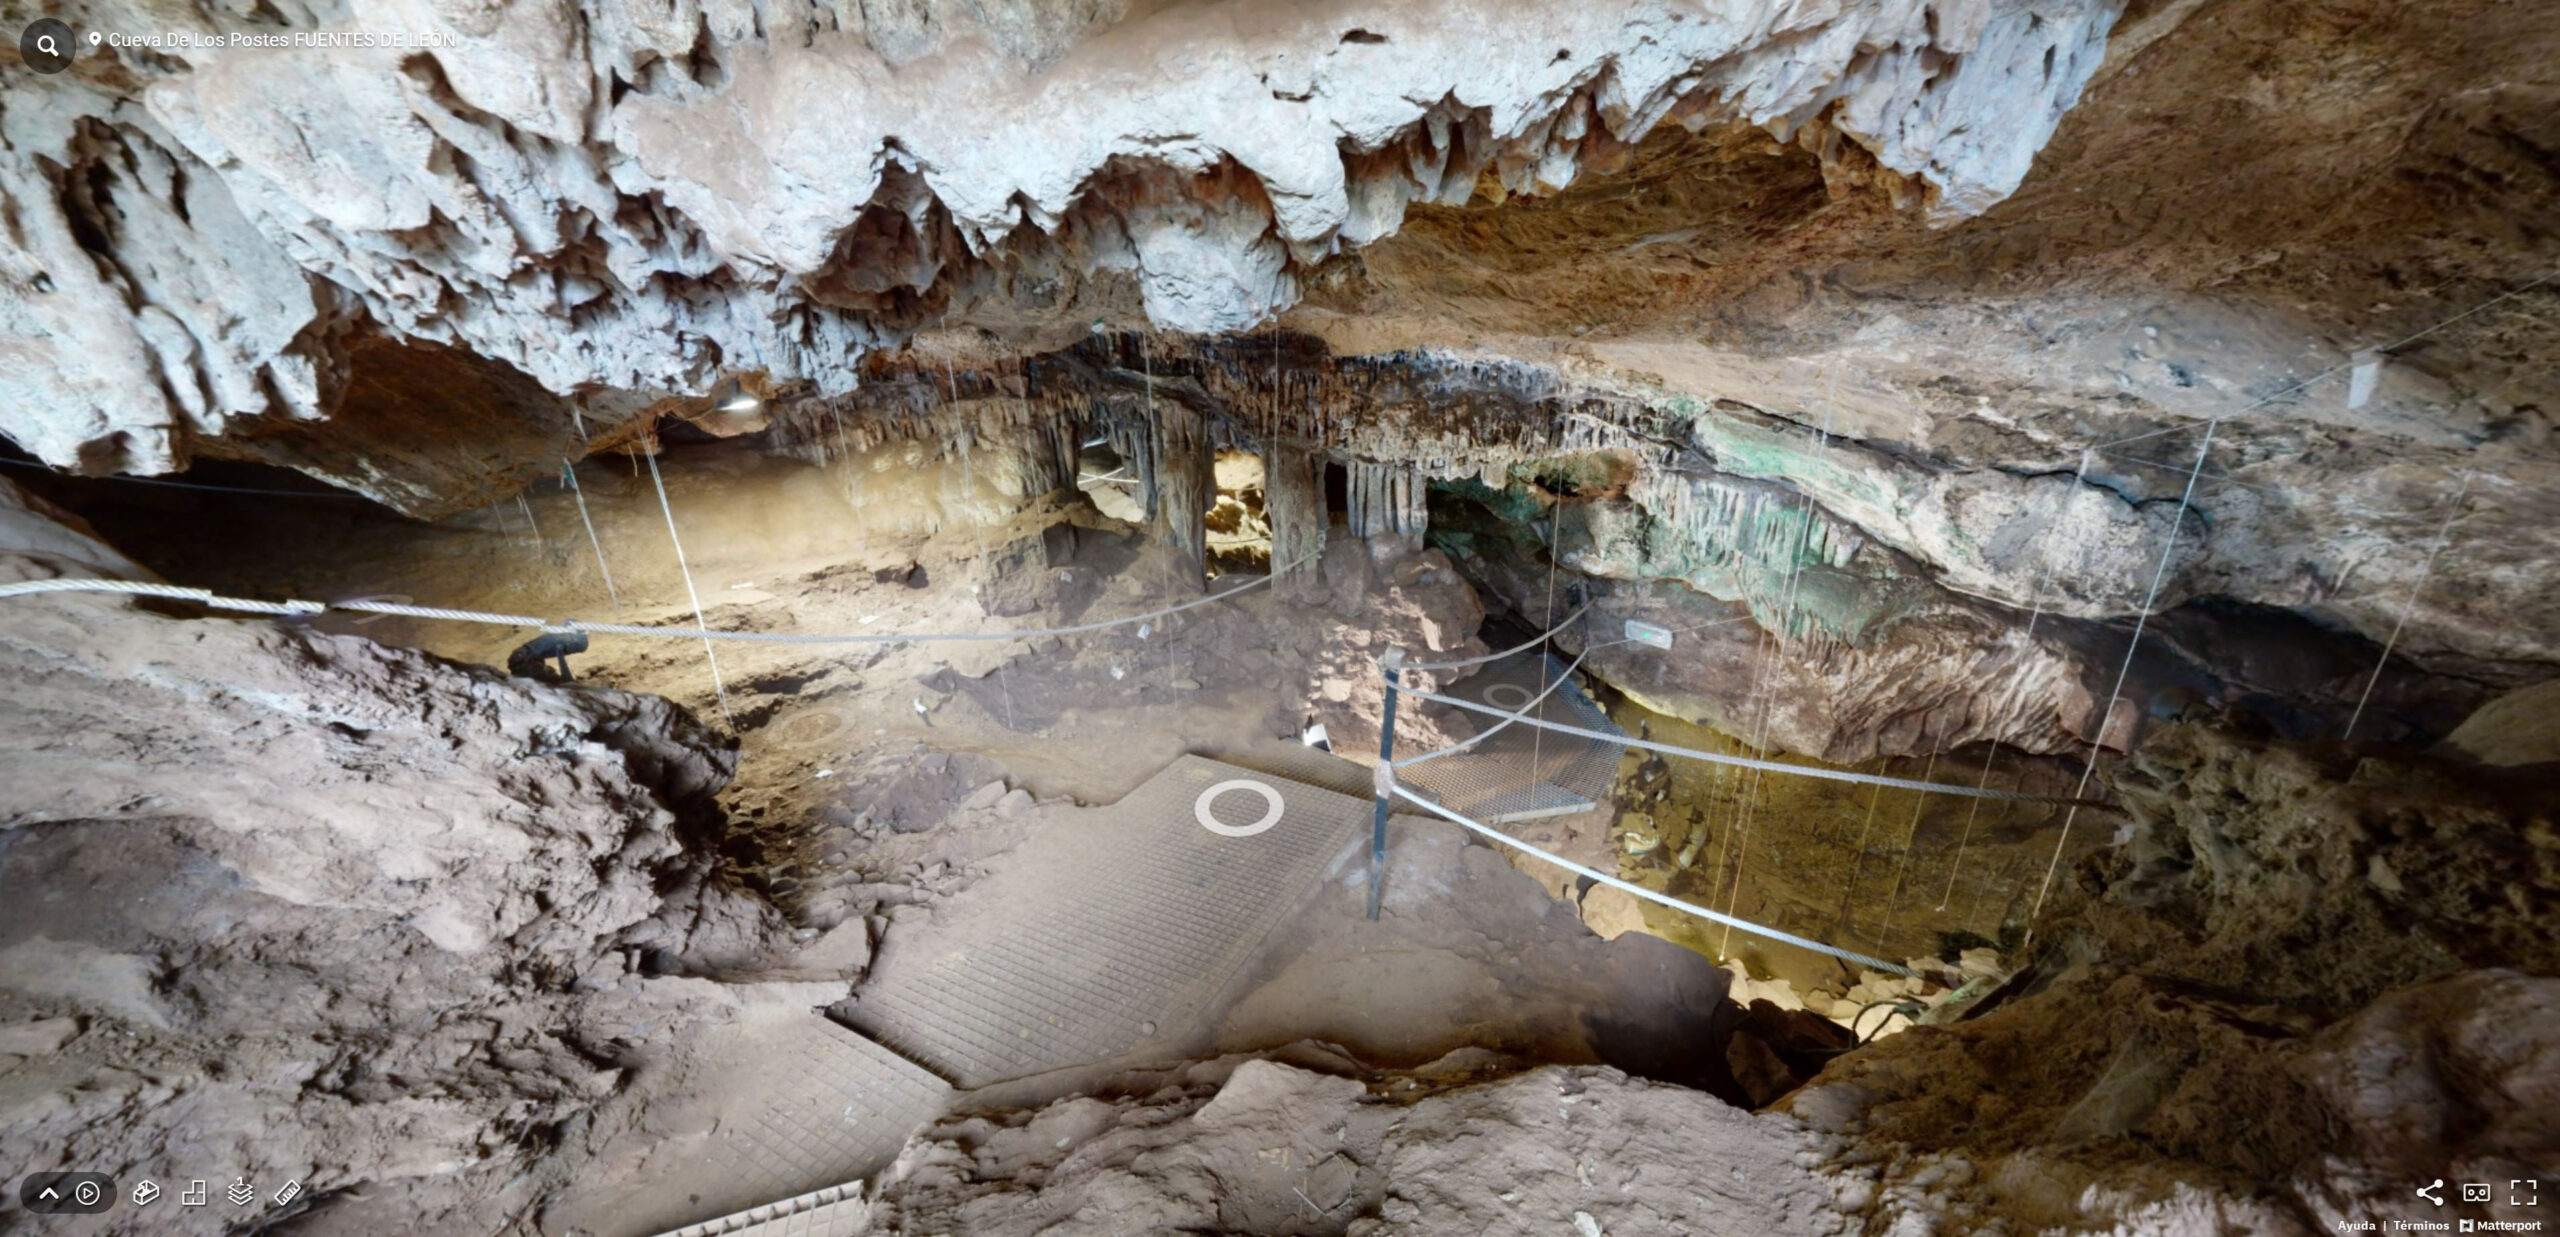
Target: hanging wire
[[1910, 840], [569, 472], [540, 542], [2036, 612], [2168, 550], [2349, 363], [2444, 532], [1555, 550], [1786, 629], [1858, 864], [719, 688], [968, 489]]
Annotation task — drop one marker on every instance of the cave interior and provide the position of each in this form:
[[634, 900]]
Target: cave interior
[[1861, 619]]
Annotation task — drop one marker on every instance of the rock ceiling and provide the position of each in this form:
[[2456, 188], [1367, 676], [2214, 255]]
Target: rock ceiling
[[1909, 261], [611, 199]]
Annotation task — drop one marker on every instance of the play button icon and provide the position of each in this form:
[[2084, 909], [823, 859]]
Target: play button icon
[[67, 1194]]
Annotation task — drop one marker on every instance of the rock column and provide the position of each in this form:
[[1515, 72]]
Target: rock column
[[1186, 483], [1293, 494]]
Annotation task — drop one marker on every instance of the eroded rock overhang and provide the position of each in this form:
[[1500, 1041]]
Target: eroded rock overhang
[[607, 198]]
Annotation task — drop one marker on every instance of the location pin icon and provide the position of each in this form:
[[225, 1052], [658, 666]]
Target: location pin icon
[[96, 38]]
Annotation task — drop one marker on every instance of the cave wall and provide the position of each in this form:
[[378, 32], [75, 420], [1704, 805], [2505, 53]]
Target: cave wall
[[2307, 978], [297, 906]]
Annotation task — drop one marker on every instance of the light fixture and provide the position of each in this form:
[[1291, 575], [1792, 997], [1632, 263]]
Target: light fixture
[[734, 398]]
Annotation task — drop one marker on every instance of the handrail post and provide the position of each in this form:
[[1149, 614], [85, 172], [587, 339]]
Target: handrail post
[[1385, 782]]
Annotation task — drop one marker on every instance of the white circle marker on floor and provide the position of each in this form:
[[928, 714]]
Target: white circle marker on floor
[[1200, 808], [1499, 695]]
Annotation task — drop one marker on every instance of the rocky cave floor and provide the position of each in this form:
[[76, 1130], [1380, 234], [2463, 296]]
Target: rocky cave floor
[[2284, 977]]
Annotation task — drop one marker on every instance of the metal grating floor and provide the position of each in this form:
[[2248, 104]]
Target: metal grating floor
[[836, 1211], [853, 1105], [783, 1105], [1300, 763], [1104, 936], [1530, 803], [1521, 772]]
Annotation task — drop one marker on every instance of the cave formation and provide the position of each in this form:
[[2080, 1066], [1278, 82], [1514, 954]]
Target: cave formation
[[784, 617]]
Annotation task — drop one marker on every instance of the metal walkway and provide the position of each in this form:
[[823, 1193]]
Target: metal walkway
[[836, 1211], [1106, 934], [1522, 773], [1100, 937], [862, 1103], [783, 1104]]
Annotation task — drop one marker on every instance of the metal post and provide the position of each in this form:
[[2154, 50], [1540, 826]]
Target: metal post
[[1385, 783]]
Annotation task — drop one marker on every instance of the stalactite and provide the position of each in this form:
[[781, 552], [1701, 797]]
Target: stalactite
[[1386, 498], [1134, 442]]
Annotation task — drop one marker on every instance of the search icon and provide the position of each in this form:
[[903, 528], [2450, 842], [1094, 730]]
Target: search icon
[[47, 45]]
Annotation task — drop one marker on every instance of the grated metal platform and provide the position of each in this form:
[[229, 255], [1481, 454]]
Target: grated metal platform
[[1104, 936], [789, 1104], [836, 1211], [1522, 773], [861, 1103], [1300, 763]]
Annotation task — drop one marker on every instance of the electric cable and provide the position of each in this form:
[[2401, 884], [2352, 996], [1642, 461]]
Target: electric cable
[[718, 687], [2349, 363], [569, 471], [1555, 549], [1749, 801], [2035, 614], [1898, 1005]]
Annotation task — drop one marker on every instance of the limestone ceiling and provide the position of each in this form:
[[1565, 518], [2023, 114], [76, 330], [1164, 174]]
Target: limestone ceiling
[[642, 197], [1881, 230]]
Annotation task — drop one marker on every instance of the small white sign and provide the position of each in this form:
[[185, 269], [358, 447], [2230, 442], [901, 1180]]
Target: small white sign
[[2364, 379], [1647, 633]]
